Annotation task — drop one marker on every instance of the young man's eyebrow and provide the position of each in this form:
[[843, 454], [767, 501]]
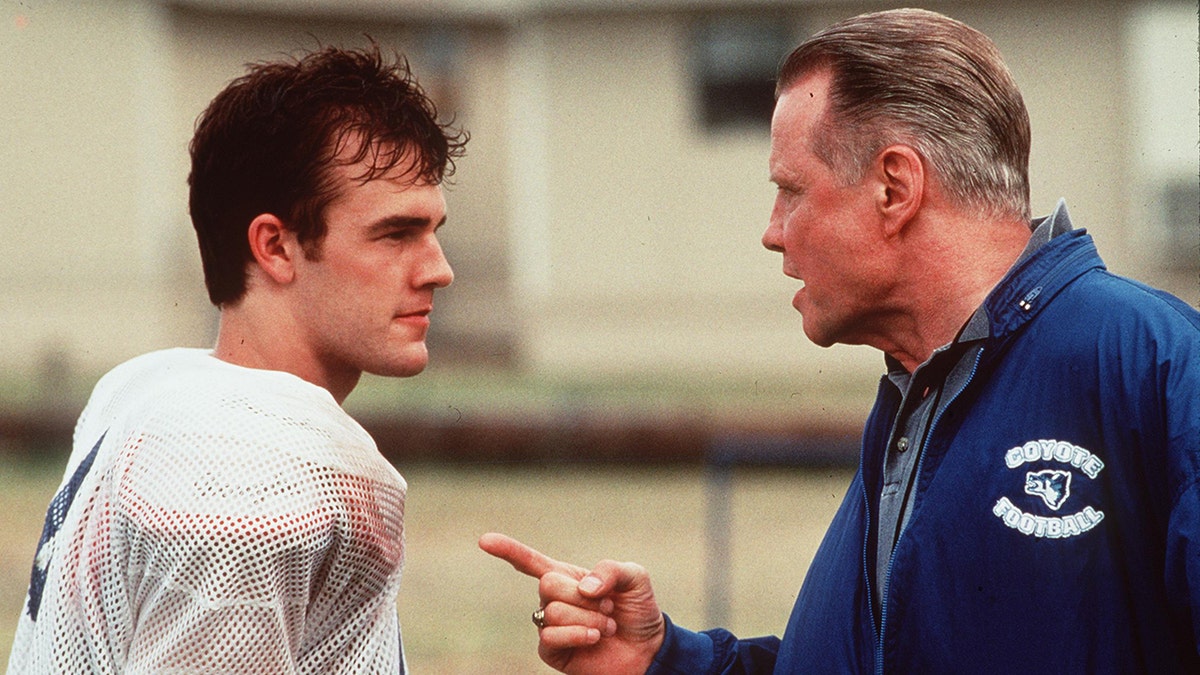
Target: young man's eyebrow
[[402, 222]]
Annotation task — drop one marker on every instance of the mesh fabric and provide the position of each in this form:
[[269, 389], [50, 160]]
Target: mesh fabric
[[216, 519]]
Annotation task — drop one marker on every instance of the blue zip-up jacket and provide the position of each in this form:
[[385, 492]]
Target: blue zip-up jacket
[[1056, 513]]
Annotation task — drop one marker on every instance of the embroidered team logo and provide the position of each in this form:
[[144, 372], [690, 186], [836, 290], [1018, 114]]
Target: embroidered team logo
[[1053, 487]]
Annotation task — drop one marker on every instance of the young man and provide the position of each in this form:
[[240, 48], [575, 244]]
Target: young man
[[1029, 490], [219, 511]]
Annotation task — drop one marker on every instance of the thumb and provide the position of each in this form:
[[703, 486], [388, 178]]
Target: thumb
[[634, 607], [609, 576]]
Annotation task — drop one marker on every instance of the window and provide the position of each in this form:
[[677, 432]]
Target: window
[[735, 59], [1180, 212]]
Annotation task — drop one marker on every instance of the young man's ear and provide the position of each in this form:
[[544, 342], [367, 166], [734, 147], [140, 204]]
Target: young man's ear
[[901, 175], [274, 247]]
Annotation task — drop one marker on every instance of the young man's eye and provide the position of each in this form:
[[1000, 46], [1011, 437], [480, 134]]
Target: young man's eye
[[400, 235]]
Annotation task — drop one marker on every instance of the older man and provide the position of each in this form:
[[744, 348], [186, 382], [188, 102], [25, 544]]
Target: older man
[[1027, 496]]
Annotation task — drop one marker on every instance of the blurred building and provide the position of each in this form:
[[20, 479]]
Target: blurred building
[[606, 220]]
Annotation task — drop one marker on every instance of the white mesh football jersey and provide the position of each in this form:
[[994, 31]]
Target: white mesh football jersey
[[216, 519]]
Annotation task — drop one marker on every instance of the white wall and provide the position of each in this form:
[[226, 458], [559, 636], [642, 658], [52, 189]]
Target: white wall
[[592, 217], [1163, 74], [654, 264], [90, 227], [650, 262]]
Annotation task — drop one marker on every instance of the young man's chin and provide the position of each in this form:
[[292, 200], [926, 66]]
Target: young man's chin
[[411, 363]]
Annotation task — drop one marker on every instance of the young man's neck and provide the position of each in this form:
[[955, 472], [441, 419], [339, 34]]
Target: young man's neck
[[251, 339]]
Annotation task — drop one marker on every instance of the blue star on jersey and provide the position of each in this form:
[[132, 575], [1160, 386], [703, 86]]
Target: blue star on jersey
[[56, 513]]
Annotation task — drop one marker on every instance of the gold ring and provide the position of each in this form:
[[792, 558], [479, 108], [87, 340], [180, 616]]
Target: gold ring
[[539, 618]]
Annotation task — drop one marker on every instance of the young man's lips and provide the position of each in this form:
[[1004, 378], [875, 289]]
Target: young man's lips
[[421, 315]]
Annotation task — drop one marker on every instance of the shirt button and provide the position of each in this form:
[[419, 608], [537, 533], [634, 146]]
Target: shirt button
[[902, 444]]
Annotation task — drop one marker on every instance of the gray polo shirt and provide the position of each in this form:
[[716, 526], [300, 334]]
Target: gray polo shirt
[[925, 393]]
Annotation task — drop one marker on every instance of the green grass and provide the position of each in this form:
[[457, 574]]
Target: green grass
[[723, 401], [25, 490], [464, 612]]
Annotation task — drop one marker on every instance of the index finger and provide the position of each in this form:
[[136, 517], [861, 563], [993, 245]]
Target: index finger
[[524, 559]]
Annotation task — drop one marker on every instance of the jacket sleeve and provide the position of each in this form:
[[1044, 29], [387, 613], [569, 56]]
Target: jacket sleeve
[[712, 652], [1183, 560], [1183, 528], [1180, 398]]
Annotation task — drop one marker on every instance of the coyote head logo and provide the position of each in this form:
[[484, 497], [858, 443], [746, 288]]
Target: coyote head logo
[[1052, 485]]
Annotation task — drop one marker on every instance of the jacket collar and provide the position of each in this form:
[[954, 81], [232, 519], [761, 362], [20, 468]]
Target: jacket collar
[[1056, 255]]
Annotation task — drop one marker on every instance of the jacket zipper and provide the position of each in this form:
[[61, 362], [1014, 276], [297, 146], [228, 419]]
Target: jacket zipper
[[879, 633]]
